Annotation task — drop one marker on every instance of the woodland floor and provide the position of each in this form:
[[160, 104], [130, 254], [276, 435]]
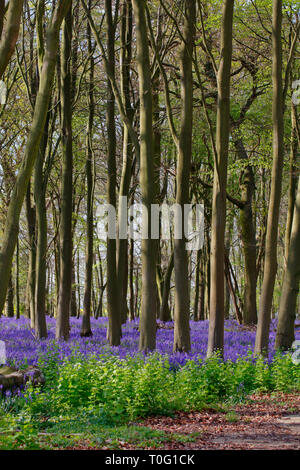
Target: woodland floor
[[265, 422], [262, 422]]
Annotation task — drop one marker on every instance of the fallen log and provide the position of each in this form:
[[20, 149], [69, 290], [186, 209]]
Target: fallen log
[[11, 378]]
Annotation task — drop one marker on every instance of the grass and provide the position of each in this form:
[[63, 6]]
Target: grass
[[86, 432]]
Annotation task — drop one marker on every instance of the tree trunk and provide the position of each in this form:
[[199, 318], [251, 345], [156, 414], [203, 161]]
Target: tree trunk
[[31, 222], [149, 246], [197, 286], [10, 33], [292, 180], [216, 319], [112, 289], [182, 342], [74, 309], [290, 288], [40, 182], [65, 278], [10, 299], [270, 265], [125, 63], [89, 256], [41, 248], [165, 312], [248, 234]]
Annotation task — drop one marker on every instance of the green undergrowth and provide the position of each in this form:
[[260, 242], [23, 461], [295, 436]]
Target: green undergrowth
[[94, 400]]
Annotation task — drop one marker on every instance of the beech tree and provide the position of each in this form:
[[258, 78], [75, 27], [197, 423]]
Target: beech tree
[[270, 264], [216, 323], [11, 229]]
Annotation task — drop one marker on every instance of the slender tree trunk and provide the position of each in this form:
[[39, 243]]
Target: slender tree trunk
[[18, 280], [113, 288], [10, 32], [197, 286], [149, 246], [41, 248], [182, 342], [65, 278], [131, 282], [290, 288], [207, 277], [216, 319], [74, 309], [227, 254], [270, 265], [165, 311], [31, 223], [10, 299], [40, 182], [89, 256], [125, 63], [248, 234], [201, 310], [292, 180]]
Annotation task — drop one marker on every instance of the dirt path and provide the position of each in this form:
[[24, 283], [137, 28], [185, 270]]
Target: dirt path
[[265, 422]]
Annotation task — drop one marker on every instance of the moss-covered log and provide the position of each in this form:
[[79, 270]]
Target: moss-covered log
[[11, 378]]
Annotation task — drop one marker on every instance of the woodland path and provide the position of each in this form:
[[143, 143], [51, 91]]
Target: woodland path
[[266, 422]]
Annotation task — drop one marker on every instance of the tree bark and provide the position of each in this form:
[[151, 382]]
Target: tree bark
[[89, 256], [292, 180], [288, 302], [182, 342], [113, 289], [10, 33], [41, 246], [31, 224], [40, 182], [165, 312], [66, 245], [270, 265], [125, 61], [216, 319], [149, 247], [248, 234]]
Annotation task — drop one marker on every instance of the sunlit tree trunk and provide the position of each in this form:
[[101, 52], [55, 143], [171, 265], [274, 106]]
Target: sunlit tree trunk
[[40, 182]]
